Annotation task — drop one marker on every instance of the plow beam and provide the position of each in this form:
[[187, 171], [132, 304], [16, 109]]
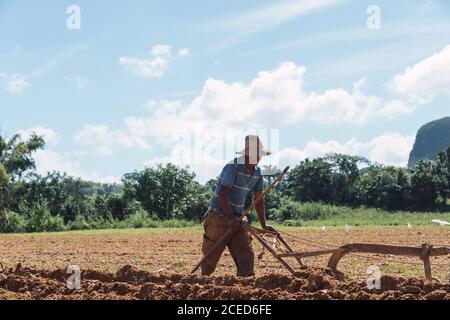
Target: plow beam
[[424, 253]]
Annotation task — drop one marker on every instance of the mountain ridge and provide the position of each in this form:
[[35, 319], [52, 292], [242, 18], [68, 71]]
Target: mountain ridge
[[432, 138]]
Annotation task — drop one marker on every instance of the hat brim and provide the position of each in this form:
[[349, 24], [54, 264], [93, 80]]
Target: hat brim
[[262, 153]]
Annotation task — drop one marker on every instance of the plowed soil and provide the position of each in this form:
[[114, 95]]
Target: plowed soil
[[155, 264], [131, 284]]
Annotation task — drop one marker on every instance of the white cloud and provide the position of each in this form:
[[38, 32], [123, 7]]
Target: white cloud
[[394, 108], [104, 140], [79, 81], [266, 17], [82, 82], [49, 135], [426, 79], [49, 161], [204, 171], [184, 52], [163, 50], [147, 68], [17, 85], [273, 98], [163, 107], [389, 149], [154, 66]]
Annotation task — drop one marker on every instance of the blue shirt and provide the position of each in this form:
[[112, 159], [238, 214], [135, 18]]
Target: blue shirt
[[236, 177]]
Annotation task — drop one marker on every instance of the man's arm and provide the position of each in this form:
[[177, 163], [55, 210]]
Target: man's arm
[[223, 196], [228, 178]]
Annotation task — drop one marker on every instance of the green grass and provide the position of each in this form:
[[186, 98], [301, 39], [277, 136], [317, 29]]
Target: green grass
[[370, 217], [302, 215], [19, 224], [106, 232]]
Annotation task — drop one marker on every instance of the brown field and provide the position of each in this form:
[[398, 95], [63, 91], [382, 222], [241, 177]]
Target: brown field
[[155, 263]]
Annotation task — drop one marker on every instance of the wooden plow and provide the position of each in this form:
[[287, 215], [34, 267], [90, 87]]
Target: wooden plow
[[280, 244], [337, 253]]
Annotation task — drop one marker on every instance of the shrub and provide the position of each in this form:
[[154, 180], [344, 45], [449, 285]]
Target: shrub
[[315, 211], [293, 223], [138, 220], [102, 223], [79, 223], [39, 219], [16, 223], [286, 211], [197, 205], [292, 210]]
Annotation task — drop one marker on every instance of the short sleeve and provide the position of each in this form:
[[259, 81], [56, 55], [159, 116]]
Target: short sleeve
[[259, 186], [228, 176]]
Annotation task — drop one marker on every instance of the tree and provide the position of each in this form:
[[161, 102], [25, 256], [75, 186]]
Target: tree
[[101, 207], [163, 191], [424, 185], [36, 187], [64, 195], [16, 154], [345, 173], [78, 192], [117, 206], [198, 202], [443, 173], [384, 187], [311, 181], [211, 185], [4, 182], [15, 159]]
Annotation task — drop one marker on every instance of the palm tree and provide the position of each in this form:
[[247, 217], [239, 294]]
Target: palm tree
[[15, 160], [15, 154]]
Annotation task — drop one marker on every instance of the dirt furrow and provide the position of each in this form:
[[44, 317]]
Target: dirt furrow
[[129, 283]]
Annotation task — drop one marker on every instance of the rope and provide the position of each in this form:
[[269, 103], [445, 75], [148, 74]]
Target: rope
[[313, 243]]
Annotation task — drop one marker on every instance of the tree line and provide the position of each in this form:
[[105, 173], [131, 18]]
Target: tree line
[[30, 202], [354, 181]]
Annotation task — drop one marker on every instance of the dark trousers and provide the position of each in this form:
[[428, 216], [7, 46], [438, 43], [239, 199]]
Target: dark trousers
[[239, 244]]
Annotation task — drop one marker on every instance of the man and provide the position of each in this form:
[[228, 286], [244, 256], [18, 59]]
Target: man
[[227, 205]]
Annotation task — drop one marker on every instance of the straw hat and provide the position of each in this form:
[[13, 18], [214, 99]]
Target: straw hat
[[254, 147]]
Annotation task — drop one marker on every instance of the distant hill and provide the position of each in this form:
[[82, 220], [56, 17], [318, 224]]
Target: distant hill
[[431, 139]]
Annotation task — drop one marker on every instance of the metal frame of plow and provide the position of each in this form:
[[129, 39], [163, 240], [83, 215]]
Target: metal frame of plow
[[424, 252]]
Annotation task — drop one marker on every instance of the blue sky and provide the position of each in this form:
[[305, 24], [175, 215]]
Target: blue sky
[[114, 95]]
